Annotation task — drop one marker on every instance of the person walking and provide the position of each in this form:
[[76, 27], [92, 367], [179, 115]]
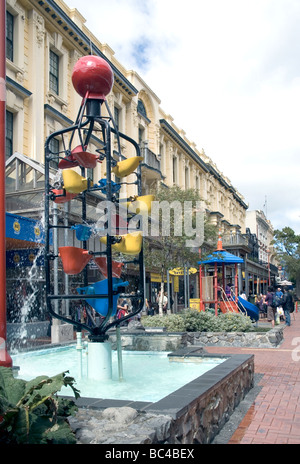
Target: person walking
[[162, 301], [287, 305], [271, 312]]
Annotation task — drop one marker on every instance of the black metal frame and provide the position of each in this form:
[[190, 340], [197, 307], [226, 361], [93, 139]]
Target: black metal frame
[[89, 114]]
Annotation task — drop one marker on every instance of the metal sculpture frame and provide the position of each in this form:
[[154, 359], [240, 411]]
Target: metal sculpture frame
[[88, 115]]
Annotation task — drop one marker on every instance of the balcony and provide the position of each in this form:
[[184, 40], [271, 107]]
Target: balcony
[[234, 240], [151, 163]]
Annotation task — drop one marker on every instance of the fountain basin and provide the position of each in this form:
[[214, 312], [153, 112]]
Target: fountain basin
[[194, 412], [148, 376]]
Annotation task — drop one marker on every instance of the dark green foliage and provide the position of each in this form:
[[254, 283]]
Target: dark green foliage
[[204, 321], [32, 413]]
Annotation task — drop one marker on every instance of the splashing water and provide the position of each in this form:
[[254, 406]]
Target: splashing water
[[26, 294]]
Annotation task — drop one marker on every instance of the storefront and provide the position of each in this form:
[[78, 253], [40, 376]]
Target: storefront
[[24, 269]]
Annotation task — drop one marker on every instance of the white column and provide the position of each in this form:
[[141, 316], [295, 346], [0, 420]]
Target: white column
[[36, 78]]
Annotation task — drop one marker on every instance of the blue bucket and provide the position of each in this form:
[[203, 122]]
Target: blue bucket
[[102, 184], [100, 305], [82, 231]]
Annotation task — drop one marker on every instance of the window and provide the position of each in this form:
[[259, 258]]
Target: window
[[9, 134], [54, 72], [90, 174], [141, 135], [174, 170], [54, 149], [187, 178], [141, 109], [9, 36], [117, 117]]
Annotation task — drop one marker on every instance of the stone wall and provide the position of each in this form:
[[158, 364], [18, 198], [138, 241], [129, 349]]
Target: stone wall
[[194, 414], [270, 339], [140, 340], [206, 416]]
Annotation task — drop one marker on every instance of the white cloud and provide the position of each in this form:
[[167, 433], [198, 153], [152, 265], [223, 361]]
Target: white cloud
[[229, 74]]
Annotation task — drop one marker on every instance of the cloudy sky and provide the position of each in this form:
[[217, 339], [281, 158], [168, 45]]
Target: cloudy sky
[[229, 74]]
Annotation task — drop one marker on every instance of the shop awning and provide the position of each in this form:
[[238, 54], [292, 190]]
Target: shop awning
[[23, 232]]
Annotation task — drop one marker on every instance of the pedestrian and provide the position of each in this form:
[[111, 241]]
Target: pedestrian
[[260, 303], [122, 308], [271, 312], [163, 301], [146, 307], [287, 305], [151, 308], [279, 292], [243, 295], [165, 304], [280, 312], [228, 291]]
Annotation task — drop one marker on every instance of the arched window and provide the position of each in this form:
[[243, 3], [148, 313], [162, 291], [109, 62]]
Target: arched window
[[141, 109]]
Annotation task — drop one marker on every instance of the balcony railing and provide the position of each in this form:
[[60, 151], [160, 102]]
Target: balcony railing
[[150, 158], [234, 239]]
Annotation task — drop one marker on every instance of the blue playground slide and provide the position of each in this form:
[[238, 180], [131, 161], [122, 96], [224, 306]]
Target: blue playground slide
[[252, 310]]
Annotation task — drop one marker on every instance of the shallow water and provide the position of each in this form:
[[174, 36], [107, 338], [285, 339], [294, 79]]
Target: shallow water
[[147, 376]]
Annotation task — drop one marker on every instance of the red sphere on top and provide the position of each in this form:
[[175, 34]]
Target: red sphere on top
[[92, 74]]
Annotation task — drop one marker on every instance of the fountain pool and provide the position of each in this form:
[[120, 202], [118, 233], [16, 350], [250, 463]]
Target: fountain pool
[[148, 376]]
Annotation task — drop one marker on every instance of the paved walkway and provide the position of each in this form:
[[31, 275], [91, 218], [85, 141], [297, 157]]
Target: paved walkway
[[274, 417]]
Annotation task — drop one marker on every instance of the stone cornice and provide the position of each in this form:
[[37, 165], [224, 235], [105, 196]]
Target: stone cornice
[[53, 12]]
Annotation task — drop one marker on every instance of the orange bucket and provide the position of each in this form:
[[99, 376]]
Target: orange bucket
[[74, 259], [102, 265]]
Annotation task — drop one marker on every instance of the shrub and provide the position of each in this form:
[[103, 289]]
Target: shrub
[[172, 322], [204, 321], [31, 413]]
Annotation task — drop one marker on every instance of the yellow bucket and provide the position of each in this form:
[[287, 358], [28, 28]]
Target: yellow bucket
[[127, 166], [131, 244], [74, 182], [141, 204]]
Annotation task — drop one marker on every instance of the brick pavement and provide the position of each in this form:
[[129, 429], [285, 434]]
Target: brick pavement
[[274, 417]]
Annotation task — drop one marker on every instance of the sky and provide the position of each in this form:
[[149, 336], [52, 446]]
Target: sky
[[228, 72]]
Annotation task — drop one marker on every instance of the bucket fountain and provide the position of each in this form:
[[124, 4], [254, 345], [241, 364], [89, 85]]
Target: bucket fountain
[[93, 79]]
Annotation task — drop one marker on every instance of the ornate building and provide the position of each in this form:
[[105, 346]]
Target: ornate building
[[44, 40]]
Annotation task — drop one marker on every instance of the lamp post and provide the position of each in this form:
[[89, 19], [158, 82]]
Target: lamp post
[[269, 274], [5, 359]]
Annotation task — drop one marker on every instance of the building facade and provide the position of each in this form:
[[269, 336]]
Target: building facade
[[44, 40]]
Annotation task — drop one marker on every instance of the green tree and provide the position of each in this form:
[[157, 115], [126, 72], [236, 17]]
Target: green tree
[[171, 246], [287, 247]]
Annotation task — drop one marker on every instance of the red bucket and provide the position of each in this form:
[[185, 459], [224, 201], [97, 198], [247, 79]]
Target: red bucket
[[74, 259], [85, 159], [102, 265], [68, 163]]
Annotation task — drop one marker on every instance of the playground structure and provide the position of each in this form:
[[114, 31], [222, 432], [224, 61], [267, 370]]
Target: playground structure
[[216, 291], [93, 79]]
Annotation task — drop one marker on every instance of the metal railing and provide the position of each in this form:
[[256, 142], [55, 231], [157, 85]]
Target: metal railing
[[234, 300], [234, 239], [150, 158]]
